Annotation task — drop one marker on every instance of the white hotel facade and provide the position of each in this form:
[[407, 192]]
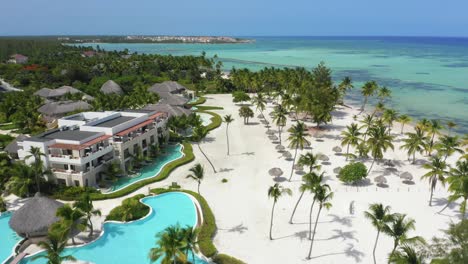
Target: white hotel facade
[[77, 151]]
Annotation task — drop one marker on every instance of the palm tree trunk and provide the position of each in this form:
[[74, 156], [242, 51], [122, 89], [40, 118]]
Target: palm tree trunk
[[310, 219], [294, 161], [395, 245], [430, 198], [212, 166], [364, 104], [73, 240], [198, 187], [271, 221], [347, 152], [279, 134], [375, 245], [90, 226], [313, 236], [227, 138], [295, 207], [402, 125], [414, 157], [373, 160]]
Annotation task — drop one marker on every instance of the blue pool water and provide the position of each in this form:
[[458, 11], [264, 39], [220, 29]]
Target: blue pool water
[[168, 153], [130, 243], [8, 237]]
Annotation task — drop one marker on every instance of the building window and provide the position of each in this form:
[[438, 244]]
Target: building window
[[152, 139], [77, 183], [126, 153]]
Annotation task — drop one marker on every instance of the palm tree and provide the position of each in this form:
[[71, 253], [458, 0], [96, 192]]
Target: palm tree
[[197, 174], [297, 139], [433, 129], [309, 182], [345, 85], [406, 255], [367, 122], [379, 141], [259, 102], [458, 184], [54, 246], [112, 170], [437, 171], [275, 192], [423, 124], [246, 113], [22, 179], [367, 90], [169, 246], [384, 93], [414, 143], [71, 220], [199, 133], [448, 145], [350, 137], [403, 120], [399, 228], [379, 216], [279, 118], [36, 154], [310, 160], [85, 204], [323, 195], [389, 116], [451, 125], [190, 240], [228, 120]]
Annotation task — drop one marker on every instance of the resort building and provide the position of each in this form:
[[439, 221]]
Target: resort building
[[78, 150], [172, 93], [18, 59]]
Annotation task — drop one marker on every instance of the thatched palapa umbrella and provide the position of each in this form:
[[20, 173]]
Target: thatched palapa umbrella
[[273, 137], [280, 147], [298, 167], [337, 170], [337, 149], [287, 155], [323, 157], [270, 132], [380, 180], [406, 176], [276, 172], [35, 217]]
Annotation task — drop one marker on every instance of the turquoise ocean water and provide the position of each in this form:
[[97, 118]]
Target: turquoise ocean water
[[428, 76]]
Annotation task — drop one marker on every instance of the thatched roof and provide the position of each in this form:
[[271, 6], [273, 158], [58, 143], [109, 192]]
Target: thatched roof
[[13, 147], [111, 87], [64, 107], [34, 218], [172, 99], [171, 110], [59, 92], [167, 87]]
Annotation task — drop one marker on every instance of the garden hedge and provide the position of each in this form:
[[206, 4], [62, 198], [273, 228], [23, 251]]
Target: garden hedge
[[216, 120]]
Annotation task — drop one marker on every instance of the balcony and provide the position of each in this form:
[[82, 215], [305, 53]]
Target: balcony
[[69, 159]]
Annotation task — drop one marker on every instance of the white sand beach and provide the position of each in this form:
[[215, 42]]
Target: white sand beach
[[242, 208]]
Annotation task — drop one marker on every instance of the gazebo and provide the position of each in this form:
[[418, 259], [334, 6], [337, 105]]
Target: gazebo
[[35, 217]]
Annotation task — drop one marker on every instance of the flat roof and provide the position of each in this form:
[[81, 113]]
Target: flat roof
[[115, 121], [75, 135]]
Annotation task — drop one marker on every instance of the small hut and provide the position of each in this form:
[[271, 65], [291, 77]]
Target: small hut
[[35, 217], [111, 87]]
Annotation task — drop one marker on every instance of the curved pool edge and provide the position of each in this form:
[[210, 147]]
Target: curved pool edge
[[13, 251], [193, 199], [155, 175]]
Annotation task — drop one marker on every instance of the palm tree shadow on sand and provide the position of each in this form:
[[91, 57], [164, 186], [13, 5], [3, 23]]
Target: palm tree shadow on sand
[[350, 251]]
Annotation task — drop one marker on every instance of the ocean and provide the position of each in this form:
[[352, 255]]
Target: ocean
[[428, 76]]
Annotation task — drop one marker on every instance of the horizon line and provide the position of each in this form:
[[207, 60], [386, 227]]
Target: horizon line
[[235, 36]]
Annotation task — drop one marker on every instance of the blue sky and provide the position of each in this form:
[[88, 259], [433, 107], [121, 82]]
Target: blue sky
[[235, 17]]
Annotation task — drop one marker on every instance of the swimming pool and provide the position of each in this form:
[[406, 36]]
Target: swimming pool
[[206, 118], [168, 153], [131, 242], [8, 237]]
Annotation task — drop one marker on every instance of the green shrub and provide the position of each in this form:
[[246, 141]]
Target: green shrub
[[216, 120], [206, 107], [72, 192], [353, 172], [224, 180], [2, 205], [225, 259], [130, 210]]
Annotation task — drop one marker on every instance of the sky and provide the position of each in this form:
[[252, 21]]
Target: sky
[[235, 17]]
